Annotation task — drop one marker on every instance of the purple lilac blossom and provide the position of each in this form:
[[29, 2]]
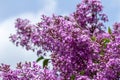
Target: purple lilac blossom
[[80, 48]]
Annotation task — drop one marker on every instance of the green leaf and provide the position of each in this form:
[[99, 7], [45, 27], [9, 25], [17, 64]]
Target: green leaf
[[82, 72], [40, 58], [93, 38], [109, 30], [72, 77], [45, 62], [102, 53], [105, 41]]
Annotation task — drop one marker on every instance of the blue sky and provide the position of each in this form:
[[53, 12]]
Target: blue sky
[[33, 9], [11, 8]]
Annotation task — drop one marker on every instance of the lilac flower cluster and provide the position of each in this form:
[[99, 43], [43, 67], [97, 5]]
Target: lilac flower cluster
[[27, 71], [80, 48], [89, 15], [111, 70]]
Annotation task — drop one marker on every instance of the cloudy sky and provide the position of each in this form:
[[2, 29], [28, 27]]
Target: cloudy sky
[[33, 9]]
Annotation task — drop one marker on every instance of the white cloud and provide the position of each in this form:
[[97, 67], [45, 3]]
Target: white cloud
[[9, 53]]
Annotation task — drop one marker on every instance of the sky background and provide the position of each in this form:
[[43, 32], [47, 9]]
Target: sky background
[[32, 10]]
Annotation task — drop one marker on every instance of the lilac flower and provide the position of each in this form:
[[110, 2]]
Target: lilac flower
[[27, 71], [80, 48]]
